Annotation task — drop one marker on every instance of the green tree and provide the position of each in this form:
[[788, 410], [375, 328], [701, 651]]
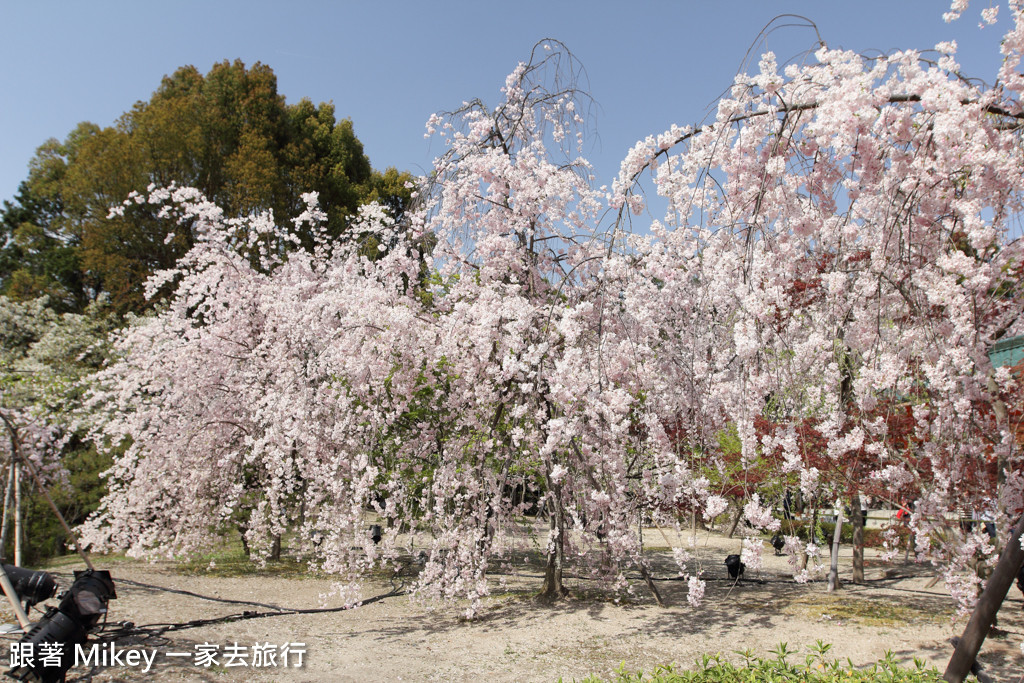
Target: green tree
[[46, 361], [35, 259], [228, 133]]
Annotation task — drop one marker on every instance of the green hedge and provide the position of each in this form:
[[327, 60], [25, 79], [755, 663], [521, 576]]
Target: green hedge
[[873, 538]]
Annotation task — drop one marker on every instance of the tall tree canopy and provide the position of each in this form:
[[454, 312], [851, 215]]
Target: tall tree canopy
[[228, 133]]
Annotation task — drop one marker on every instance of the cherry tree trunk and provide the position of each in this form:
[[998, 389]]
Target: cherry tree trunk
[[644, 571], [812, 538], [245, 542], [553, 588], [275, 550], [984, 615], [737, 518], [857, 520]]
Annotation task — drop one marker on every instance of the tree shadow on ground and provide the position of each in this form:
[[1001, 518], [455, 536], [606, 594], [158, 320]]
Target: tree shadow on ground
[[1000, 655], [752, 602], [893, 598]]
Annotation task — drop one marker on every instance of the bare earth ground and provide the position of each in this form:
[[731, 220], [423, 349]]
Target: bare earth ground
[[515, 639]]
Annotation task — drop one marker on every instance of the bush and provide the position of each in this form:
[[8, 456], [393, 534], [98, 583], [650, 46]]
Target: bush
[[802, 530], [873, 538], [815, 668]]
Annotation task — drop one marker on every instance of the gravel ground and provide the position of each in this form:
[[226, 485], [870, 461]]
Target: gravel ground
[[900, 609]]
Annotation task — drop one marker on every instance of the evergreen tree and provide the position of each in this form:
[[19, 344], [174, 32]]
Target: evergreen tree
[[228, 133]]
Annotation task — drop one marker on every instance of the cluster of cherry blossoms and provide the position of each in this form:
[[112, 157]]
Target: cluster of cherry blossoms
[[29, 439], [836, 261]]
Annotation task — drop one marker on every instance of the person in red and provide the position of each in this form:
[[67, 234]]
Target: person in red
[[903, 519]]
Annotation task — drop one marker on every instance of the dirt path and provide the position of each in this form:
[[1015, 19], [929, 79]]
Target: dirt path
[[515, 639]]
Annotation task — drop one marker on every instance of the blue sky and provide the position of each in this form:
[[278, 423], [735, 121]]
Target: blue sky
[[388, 65]]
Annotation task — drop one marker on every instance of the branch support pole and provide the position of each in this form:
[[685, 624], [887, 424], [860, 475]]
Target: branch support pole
[[12, 597], [19, 527], [5, 526], [833, 574]]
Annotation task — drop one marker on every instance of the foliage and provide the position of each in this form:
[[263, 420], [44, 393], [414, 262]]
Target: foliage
[[231, 560], [837, 252], [815, 668], [228, 133], [814, 310], [873, 537], [277, 428], [45, 362], [35, 261]]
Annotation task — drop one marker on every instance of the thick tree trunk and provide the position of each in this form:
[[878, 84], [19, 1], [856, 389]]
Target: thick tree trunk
[[650, 585], [275, 550], [553, 588], [911, 542], [984, 615], [812, 537], [736, 520], [833, 574], [643, 567], [245, 543], [857, 519]]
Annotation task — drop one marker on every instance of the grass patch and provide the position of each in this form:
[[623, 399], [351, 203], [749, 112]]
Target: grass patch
[[877, 612], [815, 667], [231, 561], [74, 561], [227, 561]]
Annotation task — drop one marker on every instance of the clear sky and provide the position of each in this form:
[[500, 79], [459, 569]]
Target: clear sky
[[388, 65]]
